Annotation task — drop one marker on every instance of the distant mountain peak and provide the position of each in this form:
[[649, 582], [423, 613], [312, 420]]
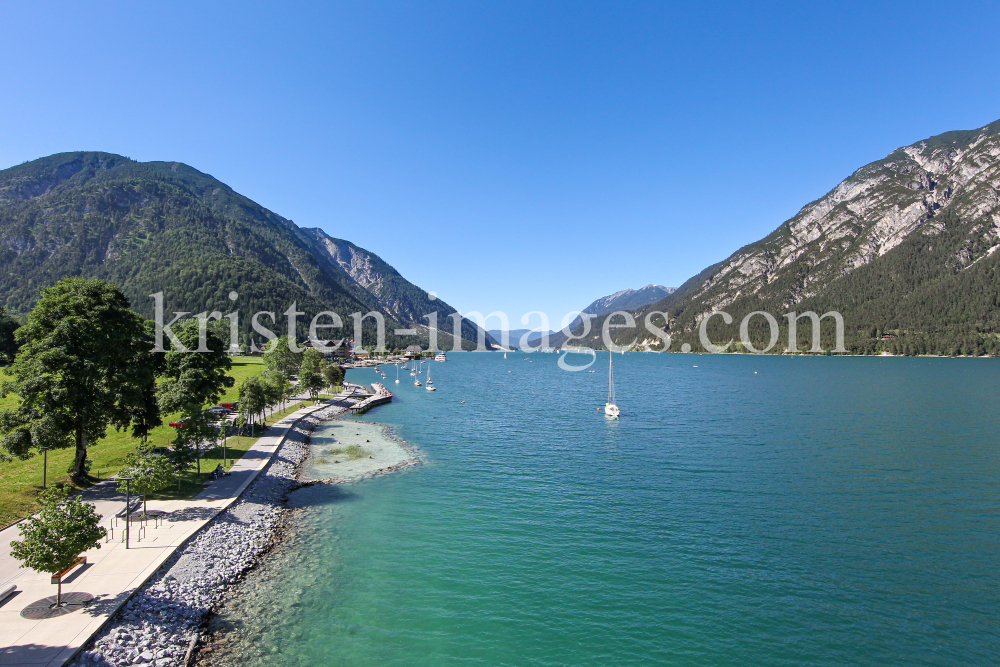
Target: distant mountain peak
[[629, 299]]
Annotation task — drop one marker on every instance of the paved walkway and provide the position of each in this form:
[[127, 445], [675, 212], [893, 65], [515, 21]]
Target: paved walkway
[[113, 573]]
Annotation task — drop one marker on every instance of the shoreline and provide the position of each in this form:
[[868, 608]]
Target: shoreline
[[220, 644], [163, 620], [166, 622]]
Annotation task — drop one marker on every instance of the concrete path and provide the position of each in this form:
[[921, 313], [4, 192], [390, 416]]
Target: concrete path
[[113, 573]]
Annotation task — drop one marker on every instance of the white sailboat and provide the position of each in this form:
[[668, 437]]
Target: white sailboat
[[430, 382], [611, 410], [397, 373]]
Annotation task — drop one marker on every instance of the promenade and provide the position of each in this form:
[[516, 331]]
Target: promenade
[[113, 573]]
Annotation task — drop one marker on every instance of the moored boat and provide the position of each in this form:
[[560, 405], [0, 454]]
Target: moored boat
[[611, 410]]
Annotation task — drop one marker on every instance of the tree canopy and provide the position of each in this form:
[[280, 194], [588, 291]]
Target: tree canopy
[[311, 372], [333, 375], [148, 472], [253, 398], [195, 378], [52, 539], [8, 344], [85, 363], [279, 357]]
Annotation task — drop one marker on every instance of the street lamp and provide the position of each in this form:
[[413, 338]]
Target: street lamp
[[128, 504], [45, 466]]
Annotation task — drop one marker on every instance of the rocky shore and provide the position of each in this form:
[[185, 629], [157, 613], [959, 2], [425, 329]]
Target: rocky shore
[[160, 625]]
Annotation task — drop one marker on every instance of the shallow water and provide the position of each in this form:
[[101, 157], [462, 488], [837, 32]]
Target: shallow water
[[750, 510], [332, 458]]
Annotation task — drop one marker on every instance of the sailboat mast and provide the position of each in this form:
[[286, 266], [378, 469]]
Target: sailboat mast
[[611, 385]]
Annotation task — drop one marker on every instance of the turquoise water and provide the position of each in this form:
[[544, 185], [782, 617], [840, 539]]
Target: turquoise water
[[750, 510]]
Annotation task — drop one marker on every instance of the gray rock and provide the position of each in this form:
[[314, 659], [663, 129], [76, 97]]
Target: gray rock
[[154, 627]]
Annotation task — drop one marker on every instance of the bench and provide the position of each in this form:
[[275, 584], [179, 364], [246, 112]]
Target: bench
[[80, 560], [6, 592]]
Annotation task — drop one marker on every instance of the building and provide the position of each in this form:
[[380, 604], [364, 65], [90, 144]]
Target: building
[[331, 349], [413, 352]]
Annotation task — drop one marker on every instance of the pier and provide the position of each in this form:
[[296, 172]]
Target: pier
[[379, 396]]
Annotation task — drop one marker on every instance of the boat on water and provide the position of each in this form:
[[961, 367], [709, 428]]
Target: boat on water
[[611, 410], [440, 356], [430, 382], [397, 373]]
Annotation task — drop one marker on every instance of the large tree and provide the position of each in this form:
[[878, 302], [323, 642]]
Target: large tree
[[85, 363], [279, 357], [311, 372], [276, 387], [194, 380], [253, 400], [334, 376]]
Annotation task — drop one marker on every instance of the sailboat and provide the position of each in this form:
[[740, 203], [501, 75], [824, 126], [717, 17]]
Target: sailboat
[[611, 410], [397, 373], [430, 382], [504, 355]]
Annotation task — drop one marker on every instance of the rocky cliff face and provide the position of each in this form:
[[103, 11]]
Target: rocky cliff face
[[868, 215], [362, 271], [904, 249]]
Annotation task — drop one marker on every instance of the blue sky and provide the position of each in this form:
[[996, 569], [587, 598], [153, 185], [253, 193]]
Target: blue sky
[[512, 156]]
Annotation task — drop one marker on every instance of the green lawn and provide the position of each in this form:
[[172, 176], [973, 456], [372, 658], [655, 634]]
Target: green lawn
[[192, 482], [20, 481]]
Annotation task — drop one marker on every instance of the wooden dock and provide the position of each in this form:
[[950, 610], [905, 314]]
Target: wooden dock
[[379, 396]]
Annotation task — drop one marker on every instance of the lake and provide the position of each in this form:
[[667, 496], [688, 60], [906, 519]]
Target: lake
[[744, 510]]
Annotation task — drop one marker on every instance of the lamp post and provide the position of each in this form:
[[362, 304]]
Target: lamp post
[[128, 503], [45, 466]]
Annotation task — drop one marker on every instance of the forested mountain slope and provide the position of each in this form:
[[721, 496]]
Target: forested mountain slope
[[164, 226], [626, 300], [904, 248]]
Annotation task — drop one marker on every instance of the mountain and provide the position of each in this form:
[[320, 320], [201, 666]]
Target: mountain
[[904, 248], [514, 336], [629, 300], [164, 226]]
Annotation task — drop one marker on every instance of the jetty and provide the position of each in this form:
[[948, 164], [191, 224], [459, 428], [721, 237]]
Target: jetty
[[378, 396]]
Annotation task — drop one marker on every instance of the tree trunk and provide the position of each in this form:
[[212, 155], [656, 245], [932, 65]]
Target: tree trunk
[[79, 462], [59, 592]]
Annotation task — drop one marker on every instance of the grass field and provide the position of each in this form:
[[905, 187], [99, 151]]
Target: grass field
[[20, 481]]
